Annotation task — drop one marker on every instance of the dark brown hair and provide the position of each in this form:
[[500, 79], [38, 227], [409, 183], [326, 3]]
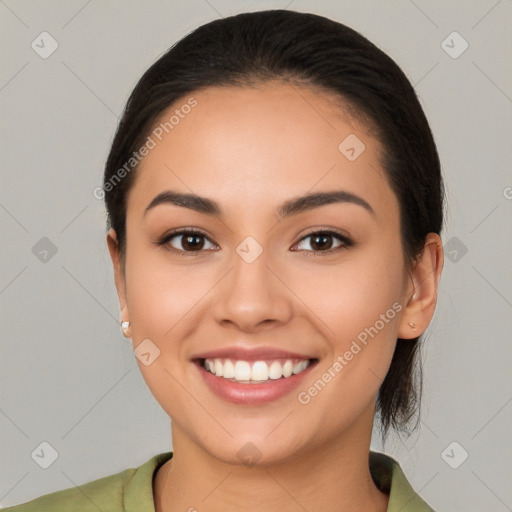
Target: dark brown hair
[[308, 50]]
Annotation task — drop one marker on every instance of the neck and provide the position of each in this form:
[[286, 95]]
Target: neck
[[332, 477]]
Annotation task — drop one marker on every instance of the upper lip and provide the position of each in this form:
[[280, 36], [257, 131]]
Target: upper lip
[[250, 354]]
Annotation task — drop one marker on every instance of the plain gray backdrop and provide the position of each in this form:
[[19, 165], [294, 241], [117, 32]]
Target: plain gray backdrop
[[69, 379]]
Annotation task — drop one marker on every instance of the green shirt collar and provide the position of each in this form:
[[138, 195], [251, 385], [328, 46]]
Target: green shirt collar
[[389, 478]]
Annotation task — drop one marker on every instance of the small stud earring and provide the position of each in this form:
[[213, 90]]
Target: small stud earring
[[413, 325], [124, 328]]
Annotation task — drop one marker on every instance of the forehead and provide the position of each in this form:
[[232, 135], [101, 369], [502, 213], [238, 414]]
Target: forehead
[[253, 146]]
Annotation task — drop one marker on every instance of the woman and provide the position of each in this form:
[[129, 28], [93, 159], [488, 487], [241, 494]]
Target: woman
[[274, 203]]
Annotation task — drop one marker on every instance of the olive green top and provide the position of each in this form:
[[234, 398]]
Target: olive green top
[[131, 490]]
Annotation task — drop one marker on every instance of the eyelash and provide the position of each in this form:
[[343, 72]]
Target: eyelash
[[346, 241]]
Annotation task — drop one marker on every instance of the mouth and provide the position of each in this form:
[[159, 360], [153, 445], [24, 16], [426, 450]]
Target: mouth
[[252, 377]]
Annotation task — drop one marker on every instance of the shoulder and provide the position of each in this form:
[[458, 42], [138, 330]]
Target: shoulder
[[128, 489], [389, 477], [97, 495]]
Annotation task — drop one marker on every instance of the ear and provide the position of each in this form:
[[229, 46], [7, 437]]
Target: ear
[[119, 278], [421, 295]]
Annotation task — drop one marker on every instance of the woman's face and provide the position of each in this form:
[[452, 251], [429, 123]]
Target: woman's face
[[259, 286]]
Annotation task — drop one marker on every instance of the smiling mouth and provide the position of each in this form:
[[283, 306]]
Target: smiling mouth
[[254, 372]]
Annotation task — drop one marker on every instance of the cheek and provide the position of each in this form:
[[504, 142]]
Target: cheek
[[358, 304], [161, 295], [351, 296], [160, 300]]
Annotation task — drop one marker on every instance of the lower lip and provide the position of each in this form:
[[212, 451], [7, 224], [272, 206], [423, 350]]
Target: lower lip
[[267, 391]]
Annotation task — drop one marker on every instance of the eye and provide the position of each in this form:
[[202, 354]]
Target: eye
[[186, 241], [189, 241], [323, 241]]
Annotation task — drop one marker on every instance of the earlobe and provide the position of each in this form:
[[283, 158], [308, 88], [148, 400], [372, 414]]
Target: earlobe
[[421, 296]]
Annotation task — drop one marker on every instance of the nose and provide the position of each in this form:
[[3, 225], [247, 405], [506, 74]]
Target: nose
[[252, 296]]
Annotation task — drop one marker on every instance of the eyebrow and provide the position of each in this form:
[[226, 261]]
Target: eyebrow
[[291, 207]]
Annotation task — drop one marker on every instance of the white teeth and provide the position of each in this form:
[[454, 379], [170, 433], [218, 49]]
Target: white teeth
[[228, 372], [260, 371], [300, 366], [218, 367], [287, 369], [276, 370], [242, 370]]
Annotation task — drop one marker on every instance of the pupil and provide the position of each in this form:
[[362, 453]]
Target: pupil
[[189, 241], [322, 244]]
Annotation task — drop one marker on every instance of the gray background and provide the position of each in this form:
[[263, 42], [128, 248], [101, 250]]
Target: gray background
[[67, 375]]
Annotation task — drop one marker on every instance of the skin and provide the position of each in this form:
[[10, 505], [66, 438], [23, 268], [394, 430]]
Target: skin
[[251, 149]]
